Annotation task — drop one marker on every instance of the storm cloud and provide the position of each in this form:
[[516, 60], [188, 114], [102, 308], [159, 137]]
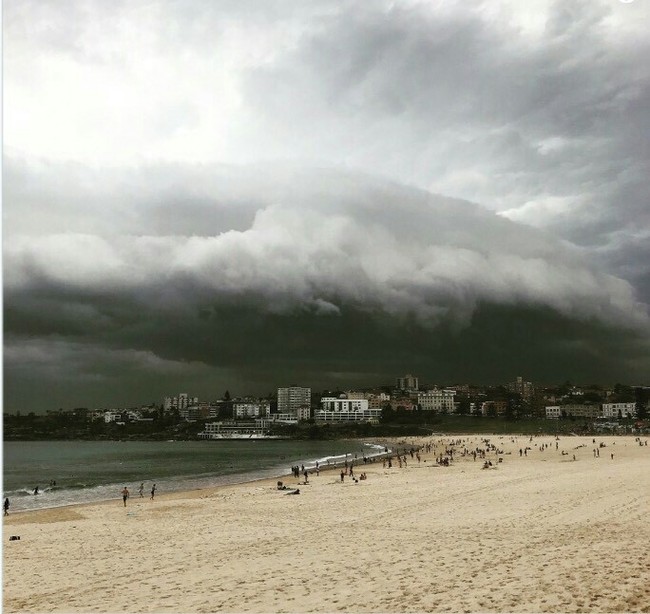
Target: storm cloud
[[249, 194]]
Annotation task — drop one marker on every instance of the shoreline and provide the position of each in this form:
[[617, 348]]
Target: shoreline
[[536, 532], [386, 442], [239, 479]]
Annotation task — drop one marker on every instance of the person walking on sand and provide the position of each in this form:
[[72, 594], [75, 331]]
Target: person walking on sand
[[153, 491], [141, 490], [125, 495], [6, 506]]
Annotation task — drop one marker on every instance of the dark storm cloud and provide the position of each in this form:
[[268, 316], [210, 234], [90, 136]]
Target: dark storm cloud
[[336, 272], [127, 263]]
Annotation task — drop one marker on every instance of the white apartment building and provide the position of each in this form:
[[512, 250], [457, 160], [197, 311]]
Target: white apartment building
[[182, 401], [578, 410], [251, 409], [440, 401], [610, 410], [292, 398], [345, 410], [553, 412]]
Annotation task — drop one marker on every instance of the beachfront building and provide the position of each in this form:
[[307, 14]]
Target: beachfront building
[[376, 400], [494, 407], [291, 399], [577, 410], [408, 383], [439, 401], [229, 429], [345, 410], [251, 409], [553, 412], [304, 412], [285, 418], [619, 410]]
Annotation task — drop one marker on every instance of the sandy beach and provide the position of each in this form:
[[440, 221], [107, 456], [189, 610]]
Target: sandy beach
[[537, 532]]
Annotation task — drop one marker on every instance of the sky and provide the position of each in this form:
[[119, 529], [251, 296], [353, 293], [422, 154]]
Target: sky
[[203, 196]]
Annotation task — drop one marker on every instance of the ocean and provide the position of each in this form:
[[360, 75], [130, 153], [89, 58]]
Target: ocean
[[71, 472]]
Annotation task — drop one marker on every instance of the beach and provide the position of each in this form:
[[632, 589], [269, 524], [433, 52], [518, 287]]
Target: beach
[[536, 532]]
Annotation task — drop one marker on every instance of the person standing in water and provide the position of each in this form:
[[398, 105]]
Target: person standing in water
[[153, 491], [6, 506], [141, 489]]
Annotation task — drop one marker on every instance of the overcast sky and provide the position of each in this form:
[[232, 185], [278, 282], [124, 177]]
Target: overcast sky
[[237, 194]]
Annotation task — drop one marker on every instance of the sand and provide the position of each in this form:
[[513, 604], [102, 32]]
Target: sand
[[537, 533]]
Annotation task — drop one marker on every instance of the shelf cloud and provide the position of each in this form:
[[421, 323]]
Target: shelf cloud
[[244, 193]]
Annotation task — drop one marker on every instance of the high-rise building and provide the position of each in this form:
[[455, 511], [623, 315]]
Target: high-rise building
[[525, 389], [408, 383], [182, 401], [291, 399]]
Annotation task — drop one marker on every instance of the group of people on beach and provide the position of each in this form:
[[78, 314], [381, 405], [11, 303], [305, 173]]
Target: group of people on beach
[[126, 494]]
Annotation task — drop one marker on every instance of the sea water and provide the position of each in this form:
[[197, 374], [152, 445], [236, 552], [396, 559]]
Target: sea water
[[70, 472]]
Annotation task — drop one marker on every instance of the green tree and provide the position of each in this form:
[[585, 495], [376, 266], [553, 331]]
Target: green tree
[[641, 401], [463, 406]]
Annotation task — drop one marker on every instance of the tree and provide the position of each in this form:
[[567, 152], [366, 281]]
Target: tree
[[641, 400], [464, 405]]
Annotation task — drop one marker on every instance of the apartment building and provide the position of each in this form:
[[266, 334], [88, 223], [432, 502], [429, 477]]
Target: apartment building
[[581, 411], [439, 401], [345, 410], [291, 399], [179, 402], [408, 383], [611, 410], [525, 389], [251, 409]]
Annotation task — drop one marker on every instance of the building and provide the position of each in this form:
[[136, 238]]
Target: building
[[525, 389], [553, 412], [304, 412], [286, 418], [494, 407], [408, 383], [376, 400], [578, 410], [611, 410], [402, 403], [180, 402], [439, 401], [345, 410], [251, 409], [291, 399]]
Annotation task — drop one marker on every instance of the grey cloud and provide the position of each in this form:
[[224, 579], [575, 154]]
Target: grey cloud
[[475, 109], [218, 266], [335, 272], [323, 238]]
